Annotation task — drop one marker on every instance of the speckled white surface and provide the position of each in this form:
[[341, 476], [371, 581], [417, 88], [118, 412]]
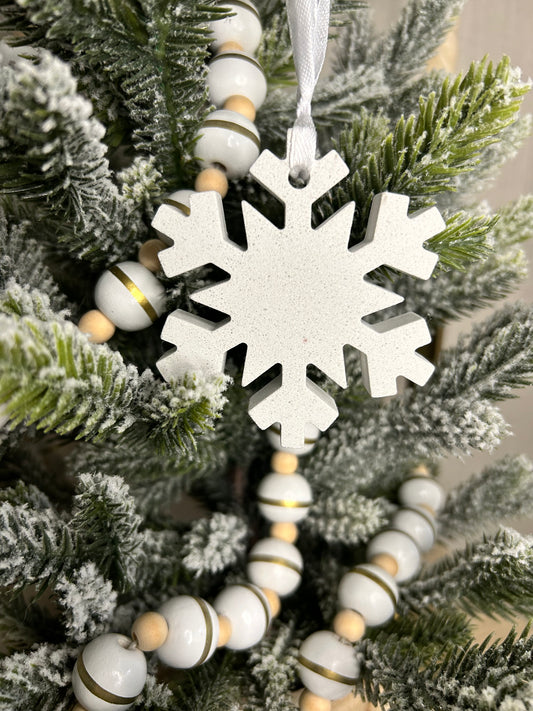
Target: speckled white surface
[[298, 295]]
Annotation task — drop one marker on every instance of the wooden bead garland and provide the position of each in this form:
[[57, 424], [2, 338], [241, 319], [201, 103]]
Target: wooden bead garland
[[187, 630], [371, 588], [128, 296]]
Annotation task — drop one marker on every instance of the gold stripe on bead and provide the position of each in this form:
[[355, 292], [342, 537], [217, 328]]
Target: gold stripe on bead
[[327, 673], [277, 431], [134, 290], [399, 530], [240, 3], [275, 559], [258, 595], [376, 579], [230, 125], [208, 630], [179, 205], [425, 515], [237, 55], [97, 690], [286, 503]]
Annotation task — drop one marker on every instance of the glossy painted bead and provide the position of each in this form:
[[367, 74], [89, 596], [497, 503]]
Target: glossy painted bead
[[419, 490], [276, 565], [108, 674], [312, 434], [284, 498], [244, 26], [229, 139], [418, 523], [401, 547], [371, 591], [248, 610], [327, 666], [236, 73], [192, 632], [130, 296]]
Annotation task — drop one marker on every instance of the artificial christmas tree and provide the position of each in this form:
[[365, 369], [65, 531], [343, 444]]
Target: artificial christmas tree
[[98, 124]]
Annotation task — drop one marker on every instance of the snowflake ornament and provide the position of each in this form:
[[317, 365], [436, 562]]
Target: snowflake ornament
[[297, 295]]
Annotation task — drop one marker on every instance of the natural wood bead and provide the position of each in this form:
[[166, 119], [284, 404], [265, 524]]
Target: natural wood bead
[[428, 508], [284, 463], [148, 254], [312, 702], [273, 601], [387, 562], [224, 633], [230, 47], [349, 624], [285, 531], [212, 179], [149, 631], [242, 105], [100, 328], [420, 470]]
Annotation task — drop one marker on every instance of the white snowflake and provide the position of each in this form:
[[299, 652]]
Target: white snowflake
[[297, 295]]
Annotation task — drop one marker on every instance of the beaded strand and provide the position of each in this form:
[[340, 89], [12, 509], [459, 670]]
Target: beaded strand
[[128, 295]]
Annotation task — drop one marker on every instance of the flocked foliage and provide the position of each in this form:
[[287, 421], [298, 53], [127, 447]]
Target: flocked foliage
[[98, 117]]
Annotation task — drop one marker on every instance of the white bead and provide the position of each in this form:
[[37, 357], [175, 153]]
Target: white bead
[[401, 547], [108, 675], [248, 610], [192, 632], [284, 498], [236, 73], [230, 139], [275, 564], [370, 591], [130, 296], [422, 490], [418, 523], [244, 26], [324, 655], [312, 434]]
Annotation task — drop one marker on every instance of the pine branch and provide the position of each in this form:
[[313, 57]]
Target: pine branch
[[39, 679], [212, 545], [502, 490], [51, 152], [273, 668], [35, 546], [475, 678], [107, 527], [212, 687], [418, 33], [493, 577], [425, 633], [348, 519], [425, 153], [87, 601], [155, 52], [51, 375], [22, 258]]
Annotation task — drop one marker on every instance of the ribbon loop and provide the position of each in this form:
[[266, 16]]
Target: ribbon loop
[[308, 25]]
